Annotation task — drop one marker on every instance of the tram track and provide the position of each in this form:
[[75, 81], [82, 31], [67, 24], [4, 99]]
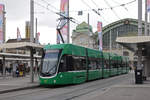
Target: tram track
[[66, 92], [103, 87], [86, 90]]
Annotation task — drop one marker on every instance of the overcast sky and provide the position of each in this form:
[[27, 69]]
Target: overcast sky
[[18, 11]]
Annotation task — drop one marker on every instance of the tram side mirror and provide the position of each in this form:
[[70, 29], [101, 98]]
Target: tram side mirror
[[62, 61]]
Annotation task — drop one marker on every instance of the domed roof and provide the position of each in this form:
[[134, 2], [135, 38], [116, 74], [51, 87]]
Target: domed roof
[[83, 27]]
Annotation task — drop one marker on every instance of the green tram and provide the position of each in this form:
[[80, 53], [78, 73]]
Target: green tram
[[64, 64]]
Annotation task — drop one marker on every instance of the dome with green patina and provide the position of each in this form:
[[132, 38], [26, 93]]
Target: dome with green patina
[[83, 27]]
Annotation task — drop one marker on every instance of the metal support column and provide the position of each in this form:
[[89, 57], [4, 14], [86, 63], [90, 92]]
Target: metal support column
[[36, 34], [4, 67], [146, 18], [32, 21], [138, 71], [4, 25], [31, 66], [36, 66], [68, 22], [110, 44], [139, 17], [139, 63]]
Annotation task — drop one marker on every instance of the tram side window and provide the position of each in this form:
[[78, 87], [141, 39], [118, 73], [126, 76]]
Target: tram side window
[[106, 64], [92, 64], [72, 63], [123, 64], [79, 63], [62, 65], [66, 63], [114, 64], [119, 64], [83, 63], [99, 63], [69, 63]]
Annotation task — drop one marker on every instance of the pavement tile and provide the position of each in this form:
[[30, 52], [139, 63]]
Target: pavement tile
[[8, 84]]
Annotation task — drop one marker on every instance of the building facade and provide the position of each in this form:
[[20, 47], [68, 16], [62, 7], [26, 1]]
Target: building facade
[[84, 36], [125, 27]]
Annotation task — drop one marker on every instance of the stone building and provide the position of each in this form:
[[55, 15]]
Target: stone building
[[121, 28], [83, 36]]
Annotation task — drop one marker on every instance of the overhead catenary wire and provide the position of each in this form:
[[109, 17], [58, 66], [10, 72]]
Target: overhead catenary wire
[[111, 9], [97, 12], [108, 8], [47, 8], [44, 7], [86, 4], [48, 4], [95, 3], [123, 5], [120, 5], [91, 9]]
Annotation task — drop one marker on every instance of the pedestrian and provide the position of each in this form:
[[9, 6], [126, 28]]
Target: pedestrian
[[14, 69], [17, 72]]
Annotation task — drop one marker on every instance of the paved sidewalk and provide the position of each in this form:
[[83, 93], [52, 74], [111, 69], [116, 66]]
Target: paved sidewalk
[[9, 83], [127, 90]]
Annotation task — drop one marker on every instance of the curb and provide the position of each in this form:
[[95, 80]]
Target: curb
[[18, 89]]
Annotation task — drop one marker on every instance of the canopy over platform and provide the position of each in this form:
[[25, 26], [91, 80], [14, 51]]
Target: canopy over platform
[[24, 46], [20, 45], [141, 46], [132, 43]]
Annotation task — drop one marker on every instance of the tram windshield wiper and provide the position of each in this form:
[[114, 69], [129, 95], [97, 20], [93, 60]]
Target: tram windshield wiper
[[51, 70]]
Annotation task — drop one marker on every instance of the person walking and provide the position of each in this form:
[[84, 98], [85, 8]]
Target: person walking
[[14, 69]]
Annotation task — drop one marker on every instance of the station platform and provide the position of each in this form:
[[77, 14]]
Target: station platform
[[126, 90], [9, 83]]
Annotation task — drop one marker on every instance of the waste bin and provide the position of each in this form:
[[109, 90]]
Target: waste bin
[[138, 77]]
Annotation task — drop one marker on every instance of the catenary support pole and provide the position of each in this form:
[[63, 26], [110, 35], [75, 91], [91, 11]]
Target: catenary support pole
[[31, 66], [68, 22], [145, 33], [36, 66], [36, 35], [4, 72], [110, 44], [32, 21], [139, 17]]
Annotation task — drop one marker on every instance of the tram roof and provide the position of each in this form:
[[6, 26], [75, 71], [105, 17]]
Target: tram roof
[[80, 51], [75, 50]]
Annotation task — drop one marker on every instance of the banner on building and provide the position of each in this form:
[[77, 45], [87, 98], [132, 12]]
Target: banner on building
[[1, 23], [38, 37], [18, 34], [99, 30], [63, 22], [148, 5], [27, 29]]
